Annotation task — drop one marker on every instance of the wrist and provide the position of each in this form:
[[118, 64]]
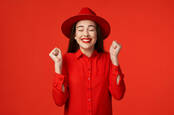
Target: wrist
[[115, 62], [58, 68]]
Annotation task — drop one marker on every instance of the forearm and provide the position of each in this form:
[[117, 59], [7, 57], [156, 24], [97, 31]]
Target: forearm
[[116, 64], [115, 61], [117, 86], [59, 97], [58, 68], [60, 91], [58, 71]]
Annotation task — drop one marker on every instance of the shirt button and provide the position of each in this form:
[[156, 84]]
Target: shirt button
[[89, 111], [89, 99]]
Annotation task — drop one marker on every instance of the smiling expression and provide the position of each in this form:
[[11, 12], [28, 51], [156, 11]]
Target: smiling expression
[[86, 34]]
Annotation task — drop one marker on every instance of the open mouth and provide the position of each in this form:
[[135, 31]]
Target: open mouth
[[86, 40]]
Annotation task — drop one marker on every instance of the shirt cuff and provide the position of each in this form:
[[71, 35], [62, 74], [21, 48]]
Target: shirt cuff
[[58, 81], [116, 70]]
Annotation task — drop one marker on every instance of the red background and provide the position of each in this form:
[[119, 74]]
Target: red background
[[31, 29]]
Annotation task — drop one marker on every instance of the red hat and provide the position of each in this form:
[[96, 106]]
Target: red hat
[[85, 13]]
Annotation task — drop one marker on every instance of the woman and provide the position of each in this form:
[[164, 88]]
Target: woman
[[86, 77]]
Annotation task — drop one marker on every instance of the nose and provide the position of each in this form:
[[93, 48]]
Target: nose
[[86, 34]]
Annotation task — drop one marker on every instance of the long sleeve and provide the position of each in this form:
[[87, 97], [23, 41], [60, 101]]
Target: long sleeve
[[60, 80], [116, 90]]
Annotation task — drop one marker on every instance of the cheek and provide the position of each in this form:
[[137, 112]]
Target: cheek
[[78, 39], [78, 35], [94, 34]]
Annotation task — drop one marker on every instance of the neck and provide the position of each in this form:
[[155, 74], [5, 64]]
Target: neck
[[87, 52]]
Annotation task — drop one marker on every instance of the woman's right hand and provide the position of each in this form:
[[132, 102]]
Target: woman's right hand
[[56, 56]]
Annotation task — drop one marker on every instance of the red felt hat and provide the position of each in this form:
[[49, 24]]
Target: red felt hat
[[86, 13]]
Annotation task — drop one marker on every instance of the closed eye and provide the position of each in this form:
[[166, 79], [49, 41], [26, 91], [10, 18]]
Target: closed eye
[[91, 30]]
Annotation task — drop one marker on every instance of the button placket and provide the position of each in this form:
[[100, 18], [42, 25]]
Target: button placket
[[89, 88]]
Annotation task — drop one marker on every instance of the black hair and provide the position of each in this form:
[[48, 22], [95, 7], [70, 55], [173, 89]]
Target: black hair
[[74, 46]]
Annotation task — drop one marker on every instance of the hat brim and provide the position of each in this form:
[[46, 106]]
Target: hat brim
[[67, 24]]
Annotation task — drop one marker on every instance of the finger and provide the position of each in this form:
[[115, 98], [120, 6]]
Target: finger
[[51, 52], [55, 52], [110, 49], [118, 45], [56, 49], [52, 56], [114, 44], [60, 53]]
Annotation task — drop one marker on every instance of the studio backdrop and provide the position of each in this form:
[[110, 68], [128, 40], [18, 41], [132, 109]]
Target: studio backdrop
[[30, 29]]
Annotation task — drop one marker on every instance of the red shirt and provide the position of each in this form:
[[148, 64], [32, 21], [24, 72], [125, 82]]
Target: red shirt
[[90, 83]]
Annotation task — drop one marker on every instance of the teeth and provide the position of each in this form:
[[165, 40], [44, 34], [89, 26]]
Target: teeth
[[85, 40]]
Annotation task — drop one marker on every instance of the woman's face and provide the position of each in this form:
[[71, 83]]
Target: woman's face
[[86, 34]]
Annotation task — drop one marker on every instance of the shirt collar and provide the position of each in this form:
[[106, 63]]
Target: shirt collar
[[78, 53]]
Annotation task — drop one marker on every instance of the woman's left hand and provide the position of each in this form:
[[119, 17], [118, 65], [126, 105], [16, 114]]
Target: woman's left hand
[[114, 51]]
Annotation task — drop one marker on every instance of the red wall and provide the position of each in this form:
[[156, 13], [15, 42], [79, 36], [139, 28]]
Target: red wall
[[31, 29]]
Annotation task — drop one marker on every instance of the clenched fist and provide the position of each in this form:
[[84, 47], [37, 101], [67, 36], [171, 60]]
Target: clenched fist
[[114, 51], [56, 56]]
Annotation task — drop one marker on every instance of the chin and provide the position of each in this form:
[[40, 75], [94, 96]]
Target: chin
[[86, 47]]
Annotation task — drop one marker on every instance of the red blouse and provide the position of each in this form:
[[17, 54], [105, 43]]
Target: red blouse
[[90, 83]]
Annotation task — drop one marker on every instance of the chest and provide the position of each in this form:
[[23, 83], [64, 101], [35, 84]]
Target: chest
[[85, 72]]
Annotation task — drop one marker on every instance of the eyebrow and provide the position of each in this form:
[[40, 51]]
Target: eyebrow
[[88, 26]]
